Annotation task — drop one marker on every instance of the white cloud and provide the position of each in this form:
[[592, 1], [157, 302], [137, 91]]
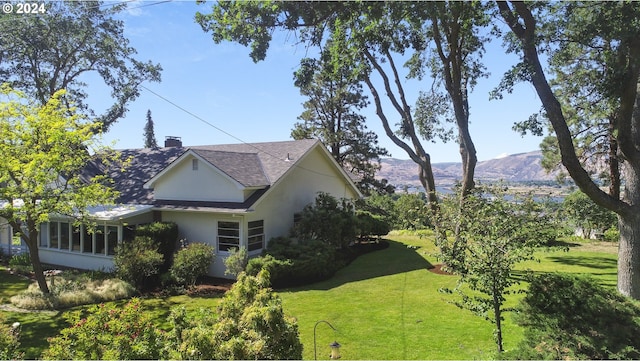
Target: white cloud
[[500, 156]]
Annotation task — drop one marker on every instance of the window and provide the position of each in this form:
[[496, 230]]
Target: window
[[75, 240], [100, 245], [228, 235], [194, 164], [87, 241], [53, 235], [256, 235], [44, 240], [112, 240], [64, 236]]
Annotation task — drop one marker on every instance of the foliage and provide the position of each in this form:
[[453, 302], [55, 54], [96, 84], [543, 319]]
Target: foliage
[[236, 262], [165, 236], [327, 220], [70, 289], [9, 340], [369, 225], [331, 114], [137, 260], [149, 134], [400, 211], [300, 262], [21, 262], [71, 41], [579, 209], [573, 317], [191, 262], [267, 262], [593, 42], [492, 236], [44, 151], [108, 333], [250, 324]]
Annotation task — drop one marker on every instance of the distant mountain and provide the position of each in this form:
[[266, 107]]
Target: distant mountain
[[520, 167]]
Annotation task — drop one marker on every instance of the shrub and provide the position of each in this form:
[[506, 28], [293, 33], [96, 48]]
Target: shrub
[[21, 262], [573, 317], [9, 340], [165, 235], [327, 220], [250, 325], [612, 234], [108, 332], [192, 262], [236, 262], [137, 261], [369, 225], [300, 263]]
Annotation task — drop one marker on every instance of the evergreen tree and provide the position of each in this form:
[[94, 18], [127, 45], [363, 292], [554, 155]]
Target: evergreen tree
[[149, 135]]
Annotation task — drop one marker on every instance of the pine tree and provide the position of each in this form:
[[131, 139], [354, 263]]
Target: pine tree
[[149, 135]]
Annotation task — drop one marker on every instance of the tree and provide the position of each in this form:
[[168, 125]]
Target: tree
[[331, 115], [370, 36], [493, 236], [58, 49], [44, 151], [589, 25], [586, 215], [149, 134]]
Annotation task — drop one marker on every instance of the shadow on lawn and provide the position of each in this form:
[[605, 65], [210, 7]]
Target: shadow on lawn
[[589, 262], [397, 258]]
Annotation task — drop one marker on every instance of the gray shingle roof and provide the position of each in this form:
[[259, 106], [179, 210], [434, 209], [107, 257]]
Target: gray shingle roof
[[250, 164]]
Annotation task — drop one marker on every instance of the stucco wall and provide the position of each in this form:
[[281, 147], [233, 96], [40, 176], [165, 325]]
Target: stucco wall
[[205, 184], [314, 174]]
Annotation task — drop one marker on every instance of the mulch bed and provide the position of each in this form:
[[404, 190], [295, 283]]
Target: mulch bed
[[211, 286], [437, 269]]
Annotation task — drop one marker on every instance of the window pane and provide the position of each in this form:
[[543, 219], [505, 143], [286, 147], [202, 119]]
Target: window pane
[[100, 245], [87, 241], [112, 240], [256, 235], [75, 239], [228, 235], [53, 235], [64, 236], [44, 239]]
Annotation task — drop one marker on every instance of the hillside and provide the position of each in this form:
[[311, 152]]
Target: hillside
[[523, 167]]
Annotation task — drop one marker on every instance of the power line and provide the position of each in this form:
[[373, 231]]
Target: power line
[[233, 136]]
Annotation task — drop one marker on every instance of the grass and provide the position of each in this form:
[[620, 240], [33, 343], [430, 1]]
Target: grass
[[384, 305]]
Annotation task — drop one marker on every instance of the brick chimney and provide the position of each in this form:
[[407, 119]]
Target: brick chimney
[[171, 141]]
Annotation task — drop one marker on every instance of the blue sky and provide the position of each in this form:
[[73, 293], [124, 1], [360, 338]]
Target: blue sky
[[257, 102]]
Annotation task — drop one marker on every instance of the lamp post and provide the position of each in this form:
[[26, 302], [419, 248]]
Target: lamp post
[[335, 346]]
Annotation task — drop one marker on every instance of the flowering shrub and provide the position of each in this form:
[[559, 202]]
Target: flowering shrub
[[9, 340], [108, 333]]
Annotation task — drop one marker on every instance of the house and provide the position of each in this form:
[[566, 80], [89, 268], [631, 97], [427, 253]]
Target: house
[[235, 195]]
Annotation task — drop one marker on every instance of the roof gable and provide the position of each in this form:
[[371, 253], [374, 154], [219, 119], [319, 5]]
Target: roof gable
[[244, 168]]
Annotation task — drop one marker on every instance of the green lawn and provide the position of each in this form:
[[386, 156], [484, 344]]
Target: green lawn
[[385, 305]]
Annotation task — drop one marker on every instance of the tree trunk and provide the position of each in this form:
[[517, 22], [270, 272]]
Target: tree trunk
[[37, 266], [629, 245]]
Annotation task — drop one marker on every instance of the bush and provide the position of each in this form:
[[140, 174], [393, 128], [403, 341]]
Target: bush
[[137, 261], [369, 225], [300, 263], [21, 262], [327, 220], [108, 332], [165, 235], [569, 317], [192, 262], [9, 340], [236, 262], [612, 234], [250, 325]]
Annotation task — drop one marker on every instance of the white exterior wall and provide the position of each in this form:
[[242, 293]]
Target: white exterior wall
[[205, 184], [314, 174], [202, 227]]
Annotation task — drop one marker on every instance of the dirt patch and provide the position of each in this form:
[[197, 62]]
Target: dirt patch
[[211, 286], [437, 269]]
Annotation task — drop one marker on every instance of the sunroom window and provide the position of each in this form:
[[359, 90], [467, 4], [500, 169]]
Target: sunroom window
[[256, 235], [228, 235]]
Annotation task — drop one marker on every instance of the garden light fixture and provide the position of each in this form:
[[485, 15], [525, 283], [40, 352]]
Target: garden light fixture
[[335, 346]]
